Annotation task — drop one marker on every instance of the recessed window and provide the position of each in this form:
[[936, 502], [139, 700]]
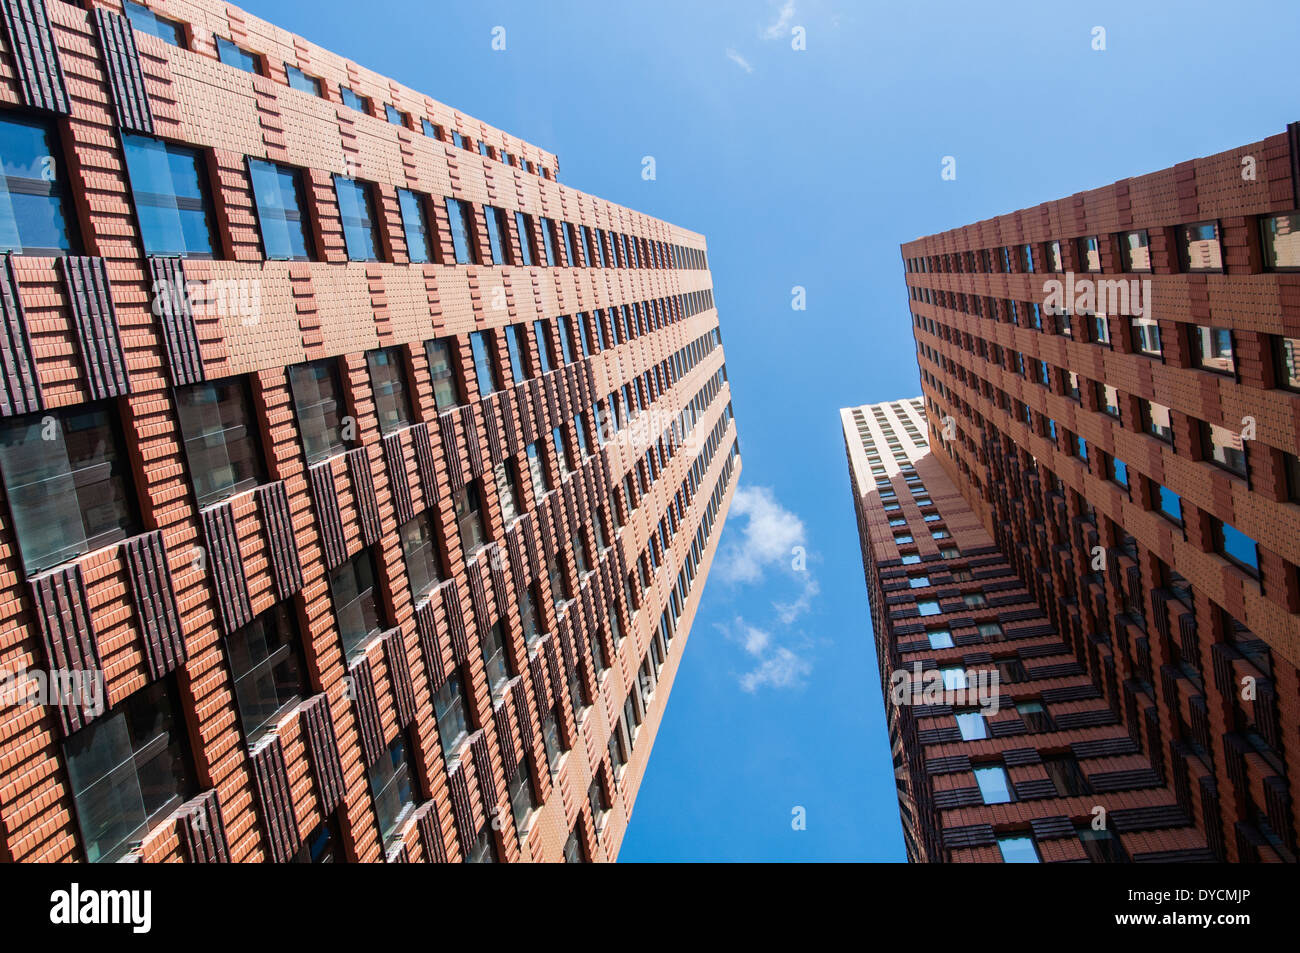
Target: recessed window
[[939, 638], [1212, 349], [1170, 503], [901, 538], [353, 100], [36, 215], [319, 405], [1072, 385], [496, 233], [928, 607], [548, 242], [1090, 253], [1035, 717], [507, 490], [524, 232], [972, 725], [485, 370], [484, 850], [1055, 262], [551, 741], [1146, 336], [1237, 547], [1198, 247], [422, 554], [994, 785], [561, 455], [1281, 239], [266, 660], [1064, 772], [918, 582], [1018, 850], [170, 190], [537, 471], [449, 710], [542, 338], [222, 443], [394, 115], [392, 787], [1119, 471], [446, 388], [431, 130], [146, 21], [520, 789], [357, 210], [1135, 250], [494, 660], [469, 518], [129, 770], [388, 384], [953, 679], [1101, 329], [1225, 447], [975, 599], [1101, 846], [460, 218], [281, 211], [1108, 398], [990, 631], [352, 586], [415, 226], [301, 81], [1156, 421], [67, 483], [236, 56]]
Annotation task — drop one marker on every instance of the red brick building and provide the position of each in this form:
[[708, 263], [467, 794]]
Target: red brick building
[[360, 480], [1111, 403]]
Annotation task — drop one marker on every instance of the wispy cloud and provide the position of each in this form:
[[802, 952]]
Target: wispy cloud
[[775, 666], [739, 60], [787, 612], [780, 27], [770, 534]]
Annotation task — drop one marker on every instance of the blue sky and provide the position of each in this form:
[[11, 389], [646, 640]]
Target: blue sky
[[809, 168]]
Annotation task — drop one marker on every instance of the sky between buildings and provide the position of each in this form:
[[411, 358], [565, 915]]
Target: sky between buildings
[[807, 168]]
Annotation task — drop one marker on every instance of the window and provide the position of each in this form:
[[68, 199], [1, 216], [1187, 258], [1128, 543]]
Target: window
[[1035, 717], [1212, 349], [1011, 670], [68, 494], [1198, 247], [1054, 260], [281, 214], [1119, 471], [415, 226], [1072, 385], [1225, 447], [352, 586], [1146, 336], [1102, 847], [146, 21], [515, 347], [128, 770], [1281, 239], [918, 582], [353, 100], [235, 56], [928, 607], [548, 242], [388, 383], [460, 220], [484, 850], [561, 456], [551, 740], [524, 231], [494, 660], [574, 852], [1236, 546], [994, 785], [301, 81], [1090, 253], [528, 615], [520, 789], [990, 631], [357, 210], [975, 599], [1108, 398], [1170, 503], [939, 638], [546, 360], [485, 371], [496, 233], [1101, 329], [222, 443], [321, 846], [507, 489], [1063, 770], [953, 679], [430, 130], [1018, 850], [972, 725], [36, 215], [170, 190], [469, 518], [318, 403], [422, 554], [1135, 250], [394, 115], [446, 390], [449, 710], [266, 661], [537, 471], [392, 786], [1155, 420]]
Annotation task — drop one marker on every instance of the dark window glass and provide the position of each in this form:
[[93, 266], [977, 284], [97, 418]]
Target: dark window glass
[[524, 231], [356, 207], [1065, 774], [449, 710], [537, 471], [222, 443], [484, 367], [235, 56], [388, 381], [1198, 247], [516, 349], [423, 558], [281, 213], [520, 789], [446, 390], [128, 770], [354, 101], [469, 518], [318, 402], [34, 219], [580, 332], [392, 786], [566, 349], [1035, 717], [352, 586], [507, 490], [266, 659], [494, 660], [496, 233], [1224, 447], [170, 191], [301, 81], [570, 255], [1212, 349], [548, 242], [460, 217], [545, 359], [146, 21], [415, 225], [1135, 250], [1281, 234], [66, 482]]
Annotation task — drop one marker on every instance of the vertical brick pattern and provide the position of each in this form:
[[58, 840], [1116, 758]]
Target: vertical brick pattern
[[91, 300], [125, 78]]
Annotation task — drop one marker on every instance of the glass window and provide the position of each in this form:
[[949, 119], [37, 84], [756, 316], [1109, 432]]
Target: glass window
[[994, 785], [546, 360], [388, 383], [551, 740], [1109, 399], [1018, 850], [354, 101], [974, 599], [128, 770], [1238, 547], [507, 490], [1090, 253], [494, 660], [352, 586], [548, 242], [446, 388], [1212, 349], [1171, 504], [469, 518], [1155, 418], [939, 638], [460, 218], [524, 232], [1281, 234], [918, 582], [990, 631], [537, 471], [972, 725], [170, 189], [1054, 260], [266, 661], [301, 81], [281, 213], [1146, 336], [430, 130], [1287, 354], [1225, 447], [516, 350], [1035, 717], [561, 456], [1119, 471], [928, 607], [235, 56], [520, 789], [392, 786], [1135, 249], [1198, 247], [394, 115], [449, 710], [318, 403], [146, 21], [357, 210], [496, 233], [36, 216], [422, 553], [484, 365], [415, 226], [222, 443], [68, 494], [580, 333]]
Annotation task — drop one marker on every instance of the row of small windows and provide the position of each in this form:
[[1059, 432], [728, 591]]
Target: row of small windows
[[1198, 245], [231, 54]]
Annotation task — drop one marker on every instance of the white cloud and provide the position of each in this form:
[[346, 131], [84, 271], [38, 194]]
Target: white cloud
[[782, 669], [787, 612], [770, 534], [779, 28], [739, 60]]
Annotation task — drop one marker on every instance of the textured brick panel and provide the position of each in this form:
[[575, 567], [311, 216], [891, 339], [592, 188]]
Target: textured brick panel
[[90, 299], [449, 592], [275, 798], [424, 462], [365, 703], [31, 42], [63, 617], [277, 526], [171, 303], [152, 593], [323, 750], [462, 808], [201, 830], [125, 79], [330, 522], [430, 833], [399, 675], [363, 492], [448, 424], [226, 567], [399, 482], [20, 389]]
